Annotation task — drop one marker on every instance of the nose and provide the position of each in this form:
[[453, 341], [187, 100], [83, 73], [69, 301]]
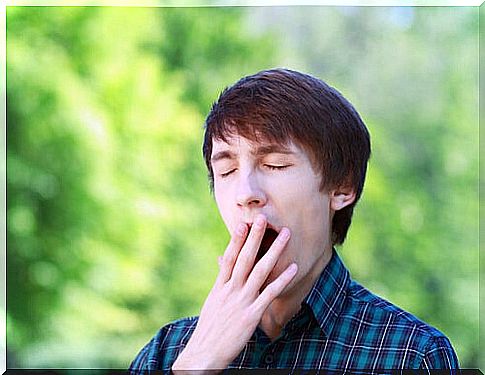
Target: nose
[[250, 192]]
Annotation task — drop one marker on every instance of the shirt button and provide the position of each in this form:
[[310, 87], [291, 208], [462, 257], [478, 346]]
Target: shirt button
[[268, 359]]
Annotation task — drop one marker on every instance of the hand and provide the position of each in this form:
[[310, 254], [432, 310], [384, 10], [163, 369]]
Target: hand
[[235, 305]]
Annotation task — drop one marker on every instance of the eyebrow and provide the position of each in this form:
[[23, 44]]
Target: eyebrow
[[222, 155], [273, 149], [260, 151]]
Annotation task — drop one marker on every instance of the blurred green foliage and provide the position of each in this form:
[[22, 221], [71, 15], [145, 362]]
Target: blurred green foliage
[[112, 231]]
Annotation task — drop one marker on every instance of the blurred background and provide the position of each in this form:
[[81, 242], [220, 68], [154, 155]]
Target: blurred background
[[111, 229]]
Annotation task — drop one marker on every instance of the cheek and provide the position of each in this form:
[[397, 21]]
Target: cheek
[[224, 207], [313, 220], [313, 204]]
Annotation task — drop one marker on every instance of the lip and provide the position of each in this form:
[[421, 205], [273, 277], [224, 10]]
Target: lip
[[268, 225]]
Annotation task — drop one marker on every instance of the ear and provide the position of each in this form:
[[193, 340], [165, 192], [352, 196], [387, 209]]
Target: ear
[[341, 197]]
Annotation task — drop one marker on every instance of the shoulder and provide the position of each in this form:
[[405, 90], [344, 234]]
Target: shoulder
[[389, 326], [384, 311], [163, 349]]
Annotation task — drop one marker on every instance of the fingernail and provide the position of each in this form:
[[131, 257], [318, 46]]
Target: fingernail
[[292, 268], [260, 221], [285, 233], [241, 229]]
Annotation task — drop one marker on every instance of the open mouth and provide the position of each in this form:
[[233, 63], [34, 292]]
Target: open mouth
[[269, 236]]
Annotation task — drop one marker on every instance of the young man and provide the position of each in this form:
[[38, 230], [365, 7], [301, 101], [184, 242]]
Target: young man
[[287, 157]]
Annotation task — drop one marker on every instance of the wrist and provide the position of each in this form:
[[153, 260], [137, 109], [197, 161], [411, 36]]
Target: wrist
[[189, 362]]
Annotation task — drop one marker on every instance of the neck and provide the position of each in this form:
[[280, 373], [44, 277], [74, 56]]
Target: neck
[[284, 307]]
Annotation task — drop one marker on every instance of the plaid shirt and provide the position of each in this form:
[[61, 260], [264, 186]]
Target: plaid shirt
[[341, 326]]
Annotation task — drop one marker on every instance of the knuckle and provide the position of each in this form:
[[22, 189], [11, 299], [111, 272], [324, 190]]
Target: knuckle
[[243, 260], [226, 261], [230, 257], [272, 291], [258, 307], [256, 272], [248, 316], [228, 286], [265, 264], [271, 295], [259, 273], [235, 239]]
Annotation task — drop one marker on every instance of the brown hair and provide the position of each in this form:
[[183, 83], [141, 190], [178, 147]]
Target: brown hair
[[281, 105]]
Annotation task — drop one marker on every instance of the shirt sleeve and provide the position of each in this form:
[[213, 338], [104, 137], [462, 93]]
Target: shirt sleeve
[[440, 355], [163, 349], [140, 362]]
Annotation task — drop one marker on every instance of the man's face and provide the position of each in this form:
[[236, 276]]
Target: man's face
[[278, 181]]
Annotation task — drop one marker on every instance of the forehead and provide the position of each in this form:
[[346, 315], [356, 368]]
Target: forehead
[[237, 144]]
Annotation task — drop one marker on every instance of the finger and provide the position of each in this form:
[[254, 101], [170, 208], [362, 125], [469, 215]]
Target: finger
[[274, 289], [232, 251], [246, 257], [219, 261], [266, 264]]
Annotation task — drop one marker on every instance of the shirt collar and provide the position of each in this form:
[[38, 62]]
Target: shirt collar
[[328, 294]]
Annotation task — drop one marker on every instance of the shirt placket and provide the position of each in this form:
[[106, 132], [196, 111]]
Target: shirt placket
[[269, 358]]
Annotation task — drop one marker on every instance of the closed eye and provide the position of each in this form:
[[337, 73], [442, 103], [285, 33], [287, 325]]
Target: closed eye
[[268, 166], [275, 167], [225, 174]]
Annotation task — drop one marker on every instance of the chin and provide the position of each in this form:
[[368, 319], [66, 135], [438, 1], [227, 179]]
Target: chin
[[288, 289], [277, 271]]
